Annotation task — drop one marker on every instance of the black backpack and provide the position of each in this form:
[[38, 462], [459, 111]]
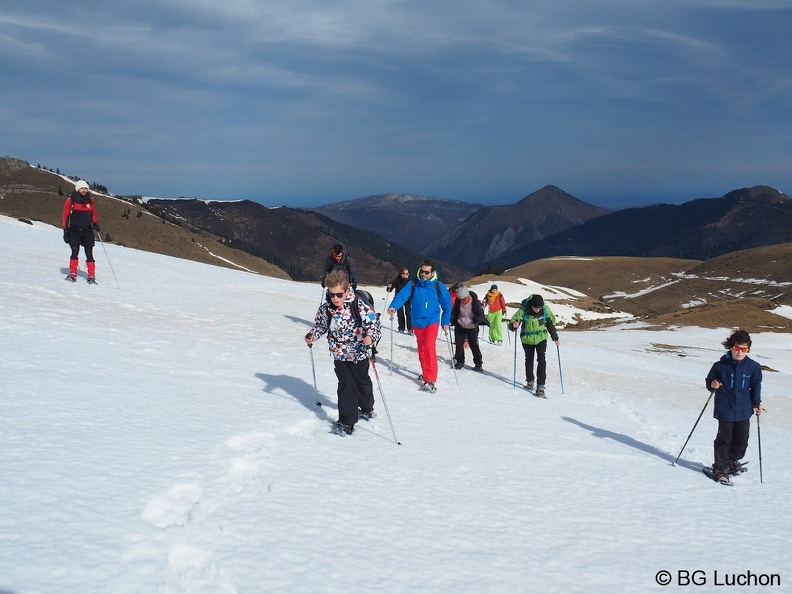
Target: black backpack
[[437, 286], [360, 295]]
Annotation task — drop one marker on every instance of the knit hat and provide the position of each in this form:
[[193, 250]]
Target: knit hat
[[80, 185], [537, 301], [494, 288], [463, 292]]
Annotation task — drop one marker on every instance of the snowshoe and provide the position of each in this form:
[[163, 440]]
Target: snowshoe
[[540, 392], [343, 429], [717, 475], [91, 280], [428, 387], [72, 278], [367, 414]]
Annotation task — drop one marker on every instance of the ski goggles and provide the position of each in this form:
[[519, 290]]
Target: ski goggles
[[740, 349]]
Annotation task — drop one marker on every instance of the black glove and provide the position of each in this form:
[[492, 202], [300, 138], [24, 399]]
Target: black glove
[[65, 236], [96, 227]]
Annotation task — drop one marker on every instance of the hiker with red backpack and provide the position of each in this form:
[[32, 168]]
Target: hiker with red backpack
[[79, 223], [431, 308], [352, 329]]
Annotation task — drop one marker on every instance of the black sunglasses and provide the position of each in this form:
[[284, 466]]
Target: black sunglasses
[[336, 295]]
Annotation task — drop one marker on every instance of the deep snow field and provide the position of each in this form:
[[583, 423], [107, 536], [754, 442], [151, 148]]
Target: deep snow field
[[160, 435]]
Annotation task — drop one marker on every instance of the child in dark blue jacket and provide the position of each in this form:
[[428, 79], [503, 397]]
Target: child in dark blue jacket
[[737, 381]]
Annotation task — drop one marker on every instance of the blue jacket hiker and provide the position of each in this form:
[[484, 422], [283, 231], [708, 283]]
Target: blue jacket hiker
[[737, 381], [431, 308], [349, 342]]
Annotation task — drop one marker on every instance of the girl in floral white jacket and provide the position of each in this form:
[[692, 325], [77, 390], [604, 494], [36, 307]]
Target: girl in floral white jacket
[[352, 327]]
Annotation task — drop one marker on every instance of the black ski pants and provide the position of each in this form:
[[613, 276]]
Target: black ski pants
[[471, 335], [731, 442], [540, 350], [403, 314], [82, 238], [355, 390]]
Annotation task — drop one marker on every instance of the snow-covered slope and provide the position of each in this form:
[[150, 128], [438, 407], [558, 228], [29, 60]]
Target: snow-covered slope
[[160, 435]]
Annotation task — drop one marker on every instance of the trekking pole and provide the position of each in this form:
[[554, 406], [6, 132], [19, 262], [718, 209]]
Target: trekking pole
[[109, 263], [313, 369], [558, 350], [759, 441], [382, 395], [322, 297], [694, 427], [514, 387], [390, 365], [508, 334], [448, 340]]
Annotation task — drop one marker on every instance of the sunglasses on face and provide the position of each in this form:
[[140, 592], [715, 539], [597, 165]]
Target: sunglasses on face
[[336, 295], [425, 271], [738, 349]]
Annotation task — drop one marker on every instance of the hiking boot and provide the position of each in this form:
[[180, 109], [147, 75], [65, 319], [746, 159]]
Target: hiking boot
[[344, 429], [459, 365], [529, 386], [91, 280], [429, 387], [722, 477], [478, 368], [367, 414], [737, 467], [72, 278], [540, 391]]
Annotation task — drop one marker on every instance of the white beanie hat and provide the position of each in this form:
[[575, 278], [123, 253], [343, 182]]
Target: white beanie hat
[[81, 184], [463, 292]]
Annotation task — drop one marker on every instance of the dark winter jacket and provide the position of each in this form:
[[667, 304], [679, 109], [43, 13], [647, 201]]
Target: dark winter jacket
[[79, 212], [479, 317], [397, 284], [343, 334], [345, 263], [741, 388], [428, 306]]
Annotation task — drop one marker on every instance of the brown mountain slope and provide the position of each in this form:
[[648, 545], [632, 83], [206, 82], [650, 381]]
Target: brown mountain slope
[[736, 289], [299, 241], [32, 193]]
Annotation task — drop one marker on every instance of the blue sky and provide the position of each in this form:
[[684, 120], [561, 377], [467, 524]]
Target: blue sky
[[304, 102]]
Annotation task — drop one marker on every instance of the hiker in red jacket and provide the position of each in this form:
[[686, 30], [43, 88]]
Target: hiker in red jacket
[[79, 224]]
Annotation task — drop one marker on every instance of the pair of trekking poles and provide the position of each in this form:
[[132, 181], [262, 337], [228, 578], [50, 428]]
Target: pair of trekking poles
[[560, 372], [758, 436], [370, 355]]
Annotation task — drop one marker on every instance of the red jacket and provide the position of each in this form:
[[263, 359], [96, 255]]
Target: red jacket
[[79, 213], [498, 304]]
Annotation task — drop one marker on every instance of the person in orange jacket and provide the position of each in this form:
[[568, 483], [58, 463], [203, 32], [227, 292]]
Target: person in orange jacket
[[497, 309], [79, 223]]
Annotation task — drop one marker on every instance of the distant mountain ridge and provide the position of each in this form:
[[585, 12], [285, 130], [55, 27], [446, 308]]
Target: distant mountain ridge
[[410, 220], [493, 231], [700, 229], [296, 240]]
